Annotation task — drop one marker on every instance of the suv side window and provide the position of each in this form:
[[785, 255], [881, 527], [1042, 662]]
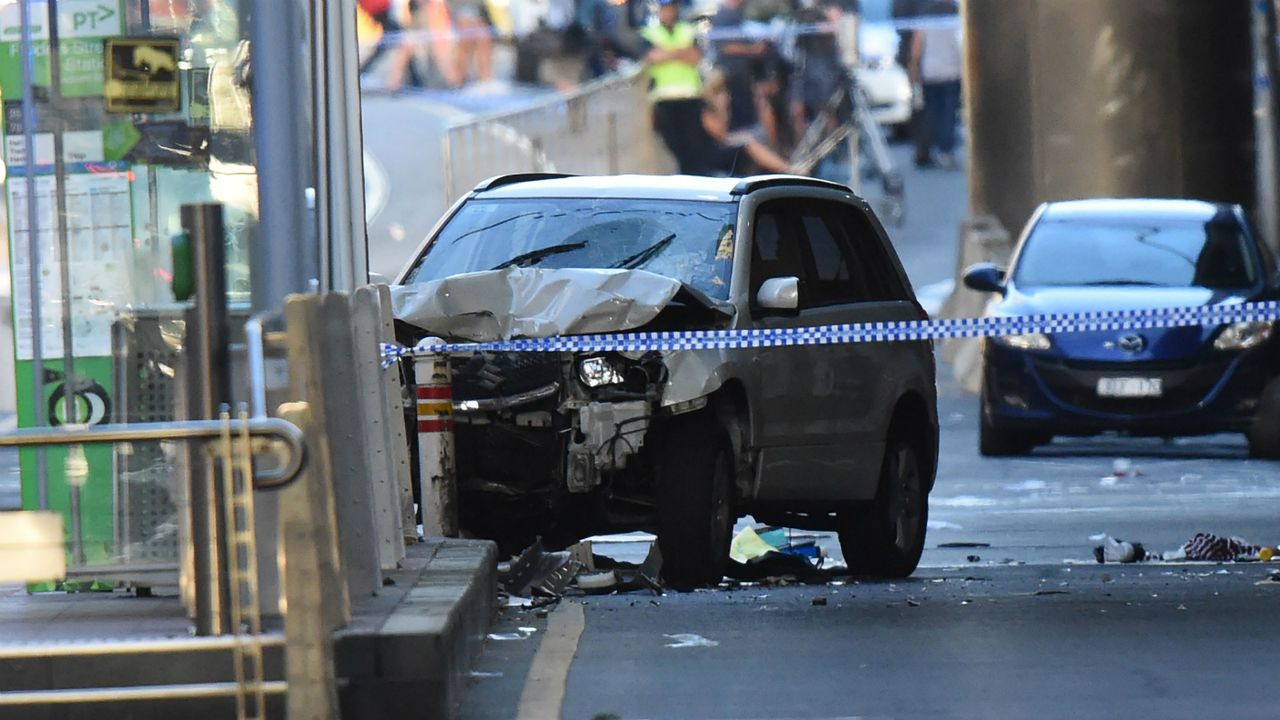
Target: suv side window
[[871, 264], [775, 251], [836, 277]]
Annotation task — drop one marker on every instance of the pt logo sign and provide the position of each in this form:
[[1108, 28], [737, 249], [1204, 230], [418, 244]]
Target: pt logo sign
[[89, 18]]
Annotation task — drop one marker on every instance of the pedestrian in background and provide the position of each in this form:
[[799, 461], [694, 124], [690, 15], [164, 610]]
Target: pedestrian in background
[[729, 153], [393, 40], [475, 41], [739, 57], [676, 91], [936, 65]]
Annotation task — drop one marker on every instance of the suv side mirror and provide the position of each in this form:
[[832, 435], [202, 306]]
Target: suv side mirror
[[780, 293], [376, 278], [984, 277]]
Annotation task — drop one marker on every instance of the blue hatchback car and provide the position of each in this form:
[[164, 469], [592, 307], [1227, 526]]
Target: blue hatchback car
[[1130, 254]]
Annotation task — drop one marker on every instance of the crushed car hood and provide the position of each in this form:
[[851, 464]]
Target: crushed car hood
[[535, 302]]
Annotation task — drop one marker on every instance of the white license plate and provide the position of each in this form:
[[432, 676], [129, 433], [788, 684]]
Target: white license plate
[[1130, 387]]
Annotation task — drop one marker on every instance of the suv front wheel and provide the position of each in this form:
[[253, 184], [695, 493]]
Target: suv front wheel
[[886, 537], [695, 501]]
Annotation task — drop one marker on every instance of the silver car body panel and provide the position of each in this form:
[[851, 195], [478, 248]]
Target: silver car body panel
[[533, 302]]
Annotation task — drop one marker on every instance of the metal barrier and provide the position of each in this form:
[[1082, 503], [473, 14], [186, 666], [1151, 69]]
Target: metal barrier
[[602, 127], [340, 431], [232, 442]]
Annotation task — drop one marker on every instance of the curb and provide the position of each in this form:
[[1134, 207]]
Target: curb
[[416, 661]]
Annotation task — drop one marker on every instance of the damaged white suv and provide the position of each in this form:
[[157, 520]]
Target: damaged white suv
[[565, 445]]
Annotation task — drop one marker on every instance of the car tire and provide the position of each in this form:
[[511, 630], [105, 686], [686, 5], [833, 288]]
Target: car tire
[[1264, 436], [1264, 446], [994, 442], [885, 537], [695, 501]]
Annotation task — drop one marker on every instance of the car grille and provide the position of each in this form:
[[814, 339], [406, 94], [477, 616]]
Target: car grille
[[1185, 384], [499, 374]]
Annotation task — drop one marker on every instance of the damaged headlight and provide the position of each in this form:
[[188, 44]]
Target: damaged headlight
[[599, 371], [1243, 335]]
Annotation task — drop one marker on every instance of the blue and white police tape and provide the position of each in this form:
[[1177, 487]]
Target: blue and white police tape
[[888, 331]]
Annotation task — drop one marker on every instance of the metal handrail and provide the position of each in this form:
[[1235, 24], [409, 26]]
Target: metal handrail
[[274, 428], [135, 646], [77, 696]]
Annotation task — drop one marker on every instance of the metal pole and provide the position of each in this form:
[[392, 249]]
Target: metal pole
[[1266, 125], [64, 275], [210, 379], [33, 250], [613, 142], [321, 123], [446, 160], [339, 155], [284, 257]]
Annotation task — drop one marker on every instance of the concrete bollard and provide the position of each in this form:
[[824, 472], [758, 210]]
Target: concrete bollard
[[982, 239], [437, 483]]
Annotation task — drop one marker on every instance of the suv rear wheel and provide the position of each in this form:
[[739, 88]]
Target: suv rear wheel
[[886, 537], [695, 501]]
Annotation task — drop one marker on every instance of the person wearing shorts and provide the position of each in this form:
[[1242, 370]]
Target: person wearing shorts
[[475, 40]]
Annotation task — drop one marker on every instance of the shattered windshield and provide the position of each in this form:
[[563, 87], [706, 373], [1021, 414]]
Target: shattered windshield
[[690, 241]]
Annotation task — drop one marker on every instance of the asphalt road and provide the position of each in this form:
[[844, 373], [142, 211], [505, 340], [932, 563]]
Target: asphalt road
[[1014, 642], [404, 190], [1021, 622]]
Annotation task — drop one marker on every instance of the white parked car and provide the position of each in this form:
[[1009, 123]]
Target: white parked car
[[881, 77]]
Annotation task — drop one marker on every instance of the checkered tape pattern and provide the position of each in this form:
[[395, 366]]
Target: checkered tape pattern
[[890, 331]]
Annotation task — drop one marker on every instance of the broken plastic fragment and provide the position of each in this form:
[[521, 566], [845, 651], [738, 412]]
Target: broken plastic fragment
[[597, 581], [688, 640], [747, 545], [522, 633]]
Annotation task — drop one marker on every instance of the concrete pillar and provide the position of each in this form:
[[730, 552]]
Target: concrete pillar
[[1085, 98]]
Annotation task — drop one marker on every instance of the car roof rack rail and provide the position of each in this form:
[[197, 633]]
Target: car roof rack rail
[[498, 181], [760, 182]]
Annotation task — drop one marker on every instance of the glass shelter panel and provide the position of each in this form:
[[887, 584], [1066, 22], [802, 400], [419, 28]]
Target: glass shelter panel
[[113, 118]]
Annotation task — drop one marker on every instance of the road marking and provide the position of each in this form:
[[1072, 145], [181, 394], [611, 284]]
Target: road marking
[[543, 695], [375, 188]]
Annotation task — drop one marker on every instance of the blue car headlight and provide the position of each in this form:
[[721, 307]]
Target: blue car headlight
[[1026, 341], [1243, 335]]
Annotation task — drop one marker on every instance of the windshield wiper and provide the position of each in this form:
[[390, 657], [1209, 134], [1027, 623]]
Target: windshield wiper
[[644, 255], [534, 256]]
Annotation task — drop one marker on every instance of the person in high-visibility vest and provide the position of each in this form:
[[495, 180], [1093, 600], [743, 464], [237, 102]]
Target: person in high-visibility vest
[[676, 91]]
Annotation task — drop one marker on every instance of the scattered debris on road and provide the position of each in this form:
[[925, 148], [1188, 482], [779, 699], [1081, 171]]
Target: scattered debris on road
[[1202, 547], [521, 633], [688, 640]]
